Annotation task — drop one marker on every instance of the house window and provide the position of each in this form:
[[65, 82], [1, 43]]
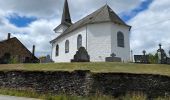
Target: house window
[[67, 46], [79, 41], [120, 39], [57, 50]]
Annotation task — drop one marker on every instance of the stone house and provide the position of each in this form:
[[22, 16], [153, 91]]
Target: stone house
[[12, 48]]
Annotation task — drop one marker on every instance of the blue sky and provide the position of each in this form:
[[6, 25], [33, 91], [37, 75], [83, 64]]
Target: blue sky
[[33, 23], [21, 21], [126, 16]]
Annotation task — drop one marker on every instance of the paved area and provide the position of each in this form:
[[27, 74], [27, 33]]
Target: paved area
[[4, 97]]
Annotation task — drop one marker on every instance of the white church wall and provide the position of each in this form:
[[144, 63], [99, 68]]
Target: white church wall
[[123, 52], [102, 41], [72, 37], [99, 41]]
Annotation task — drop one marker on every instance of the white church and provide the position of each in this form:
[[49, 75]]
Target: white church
[[102, 33]]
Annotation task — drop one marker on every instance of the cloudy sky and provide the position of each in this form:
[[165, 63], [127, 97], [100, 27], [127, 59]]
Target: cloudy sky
[[33, 21]]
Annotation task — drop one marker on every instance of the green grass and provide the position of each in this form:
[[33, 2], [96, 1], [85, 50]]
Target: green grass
[[32, 94], [93, 67]]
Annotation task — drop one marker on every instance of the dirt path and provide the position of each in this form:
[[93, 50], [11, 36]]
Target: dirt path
[[5, 97]]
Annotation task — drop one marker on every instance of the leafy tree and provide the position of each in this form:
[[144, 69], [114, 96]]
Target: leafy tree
[[153, 58]]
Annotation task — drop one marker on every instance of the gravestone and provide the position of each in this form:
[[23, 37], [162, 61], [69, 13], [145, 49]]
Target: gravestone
[[168, 60], [46, 59], [142, 58], [81, 56], [145, 58], [162, 57], [113, 58]]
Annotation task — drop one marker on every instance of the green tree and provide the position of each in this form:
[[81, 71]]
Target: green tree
[[153, 58]]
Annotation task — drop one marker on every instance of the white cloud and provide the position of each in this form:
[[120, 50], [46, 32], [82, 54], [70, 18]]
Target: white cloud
[[38, 33], [53, 8], [151, 27], [49, 14]]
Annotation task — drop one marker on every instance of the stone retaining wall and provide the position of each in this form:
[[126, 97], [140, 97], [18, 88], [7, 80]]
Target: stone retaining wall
[[85, 83]]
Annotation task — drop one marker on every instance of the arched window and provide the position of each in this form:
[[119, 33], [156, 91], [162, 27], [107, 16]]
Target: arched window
[[79, 41], [57, 50], [67, 46], [120, 39]]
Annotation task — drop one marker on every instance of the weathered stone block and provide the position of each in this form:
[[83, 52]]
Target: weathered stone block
[[113, 58], [81, 56]]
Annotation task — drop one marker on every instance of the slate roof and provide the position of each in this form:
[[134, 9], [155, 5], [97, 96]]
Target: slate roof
[[104, 14]]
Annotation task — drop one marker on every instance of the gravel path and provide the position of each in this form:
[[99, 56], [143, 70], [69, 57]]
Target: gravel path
[[4, 97]]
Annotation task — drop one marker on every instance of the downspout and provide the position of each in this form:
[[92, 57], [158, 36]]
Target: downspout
[[51, 50], [86, 37]]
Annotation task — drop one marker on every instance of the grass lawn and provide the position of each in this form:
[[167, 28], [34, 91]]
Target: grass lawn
[[32, 94], [94, 67]]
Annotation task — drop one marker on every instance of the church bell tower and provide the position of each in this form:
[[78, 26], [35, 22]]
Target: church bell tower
[[65, 21], [66, 14]]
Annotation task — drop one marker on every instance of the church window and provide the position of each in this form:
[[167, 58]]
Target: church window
[[120, 39], [79, 41], [57, 50], [67, 46]]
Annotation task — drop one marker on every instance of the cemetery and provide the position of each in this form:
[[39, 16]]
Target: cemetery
[[162, 57]]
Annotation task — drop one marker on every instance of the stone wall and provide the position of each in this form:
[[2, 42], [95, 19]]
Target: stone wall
[[85, 83], [121, 83]]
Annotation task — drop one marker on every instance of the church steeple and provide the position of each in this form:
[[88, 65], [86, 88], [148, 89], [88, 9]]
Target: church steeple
[[66, 14]]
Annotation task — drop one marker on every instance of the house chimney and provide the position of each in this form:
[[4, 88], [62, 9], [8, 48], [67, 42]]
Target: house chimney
[[9, 36], [33, 50]]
